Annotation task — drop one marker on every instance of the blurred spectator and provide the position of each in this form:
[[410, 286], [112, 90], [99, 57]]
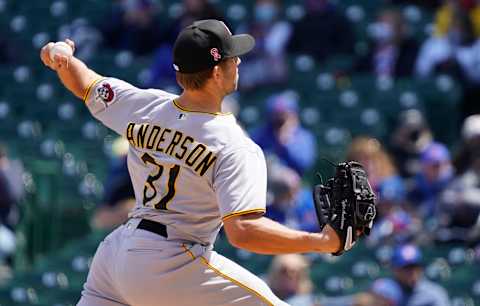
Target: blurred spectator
[[11, 192], [132, 25], [407, 271], [393, 222], [383, 292], [161, 73], [461, 200], [335, 32], [382, 173], [289, 279], [11, 173], [454, 48], [398, 225], [410, 137], [436, 173], [266, 64], [454, 29], [387, 291], [119, 196], [470, 144], [392, 52], [445, 19], [290, 204], [283, 136]]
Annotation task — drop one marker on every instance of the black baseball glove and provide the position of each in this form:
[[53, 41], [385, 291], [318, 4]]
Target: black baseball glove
[[347, 203]]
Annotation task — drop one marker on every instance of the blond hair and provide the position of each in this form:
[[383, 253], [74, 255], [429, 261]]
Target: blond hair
[[365, 149]]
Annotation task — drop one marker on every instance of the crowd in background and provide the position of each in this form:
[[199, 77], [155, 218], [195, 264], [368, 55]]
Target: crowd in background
[[428, 192], [323, 31]]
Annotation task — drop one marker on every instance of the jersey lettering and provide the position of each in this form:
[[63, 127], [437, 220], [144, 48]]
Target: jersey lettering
[[174, 143]]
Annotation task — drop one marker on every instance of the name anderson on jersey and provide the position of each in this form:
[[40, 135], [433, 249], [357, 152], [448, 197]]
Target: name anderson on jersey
[[173, 143]]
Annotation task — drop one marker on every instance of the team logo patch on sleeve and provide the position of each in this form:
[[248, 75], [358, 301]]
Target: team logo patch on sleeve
[[105, 93]]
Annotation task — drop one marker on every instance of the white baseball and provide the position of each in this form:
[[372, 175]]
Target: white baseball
[[61, 48]]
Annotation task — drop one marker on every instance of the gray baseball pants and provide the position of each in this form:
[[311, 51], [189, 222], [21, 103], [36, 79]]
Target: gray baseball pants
[[139, 268]]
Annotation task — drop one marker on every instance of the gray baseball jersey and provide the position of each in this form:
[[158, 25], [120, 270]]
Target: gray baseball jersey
[[190, 170]]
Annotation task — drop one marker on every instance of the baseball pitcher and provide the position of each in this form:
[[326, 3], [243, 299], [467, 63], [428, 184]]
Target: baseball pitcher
[[193, 170]]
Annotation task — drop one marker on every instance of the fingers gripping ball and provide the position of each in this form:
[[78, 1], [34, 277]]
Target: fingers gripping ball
[[60, 48]]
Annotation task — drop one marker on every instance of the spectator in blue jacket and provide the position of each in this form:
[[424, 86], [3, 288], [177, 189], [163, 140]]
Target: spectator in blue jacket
[[283, 136], [435, 175], [406, 263]]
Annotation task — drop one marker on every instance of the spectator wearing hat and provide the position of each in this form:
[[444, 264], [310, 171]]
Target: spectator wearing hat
[[284, 137], [435, 175], [415, 289]]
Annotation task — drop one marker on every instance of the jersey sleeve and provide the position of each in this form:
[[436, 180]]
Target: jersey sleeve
[[240, 182], [116, 103]]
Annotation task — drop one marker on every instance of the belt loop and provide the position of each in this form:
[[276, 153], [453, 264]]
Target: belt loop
[[130, 226]]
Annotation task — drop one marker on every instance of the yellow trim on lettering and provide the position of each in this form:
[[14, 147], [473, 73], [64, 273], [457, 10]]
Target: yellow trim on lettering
[[243, 212], [199, 112], [89, 88], [174, 184], [205, 262]]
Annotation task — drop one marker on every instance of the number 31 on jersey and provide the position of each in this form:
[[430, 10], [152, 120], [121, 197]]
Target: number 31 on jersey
[[150, 192]]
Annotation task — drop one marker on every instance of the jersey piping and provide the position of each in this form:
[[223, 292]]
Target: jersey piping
[[199, 112], [243, 212], [89, 88], [223, 275], [236, 282]]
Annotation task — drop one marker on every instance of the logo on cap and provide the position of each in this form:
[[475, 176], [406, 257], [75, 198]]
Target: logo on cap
[[216, 55]]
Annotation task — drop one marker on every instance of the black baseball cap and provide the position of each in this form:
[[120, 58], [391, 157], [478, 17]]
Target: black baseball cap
[[206, 43]]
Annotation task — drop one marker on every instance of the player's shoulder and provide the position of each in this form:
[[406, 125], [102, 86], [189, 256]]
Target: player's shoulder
[[239, 143], [230, 133], [119, 84], [161, 93]]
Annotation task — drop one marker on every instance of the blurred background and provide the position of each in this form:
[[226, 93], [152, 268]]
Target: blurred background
[[392, 84]]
